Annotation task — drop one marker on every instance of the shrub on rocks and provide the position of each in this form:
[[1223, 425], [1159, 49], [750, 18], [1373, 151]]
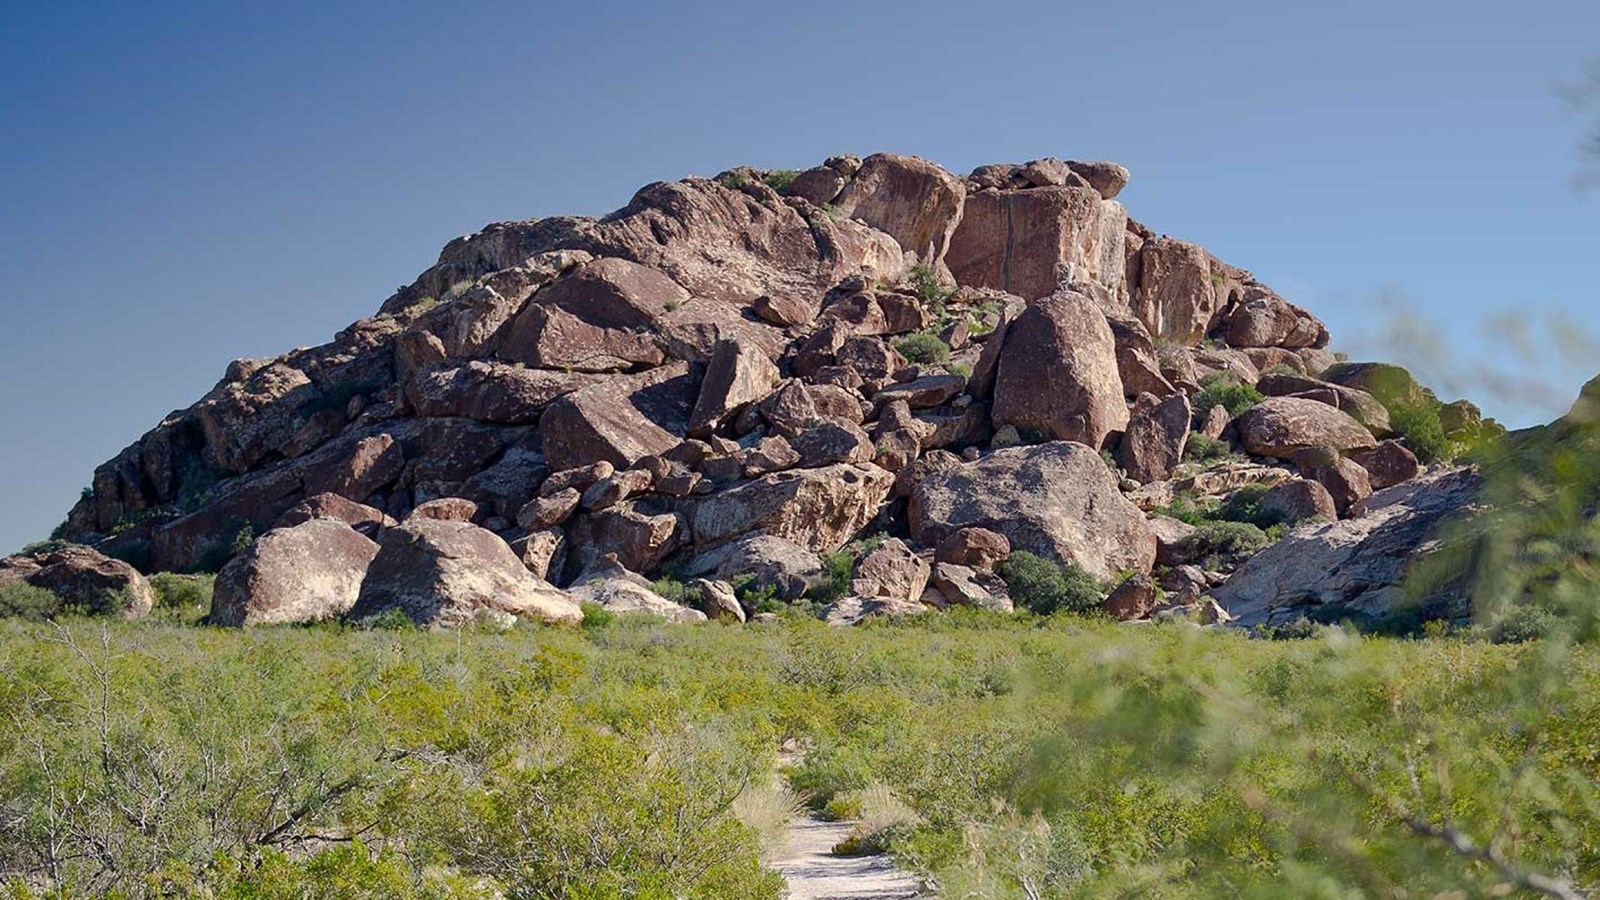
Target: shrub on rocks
[[923, 347], [1224, 389], [1045, 587]]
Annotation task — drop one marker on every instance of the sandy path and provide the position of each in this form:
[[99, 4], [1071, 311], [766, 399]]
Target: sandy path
[[814, 873]]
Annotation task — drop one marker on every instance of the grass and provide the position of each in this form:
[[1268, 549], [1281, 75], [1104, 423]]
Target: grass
[[635, 759]]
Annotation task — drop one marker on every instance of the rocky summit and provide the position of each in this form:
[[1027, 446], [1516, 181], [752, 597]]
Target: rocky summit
[[734, 379]]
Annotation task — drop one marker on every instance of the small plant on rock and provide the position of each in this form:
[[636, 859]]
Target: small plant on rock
[[1224, 389], [923, 347]]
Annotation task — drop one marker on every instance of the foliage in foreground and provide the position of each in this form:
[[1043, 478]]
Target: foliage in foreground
[[1007, 758]]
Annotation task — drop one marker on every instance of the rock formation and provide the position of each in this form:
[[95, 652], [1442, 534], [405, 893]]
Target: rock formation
[[733, 377]]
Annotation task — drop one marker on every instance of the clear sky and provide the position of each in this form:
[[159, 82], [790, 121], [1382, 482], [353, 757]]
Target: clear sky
[[186, 183]]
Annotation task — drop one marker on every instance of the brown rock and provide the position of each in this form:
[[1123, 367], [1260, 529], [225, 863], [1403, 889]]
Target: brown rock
[[718, 600], [912, 200], [771, 562], [1174, 546], [446, 509], [367, 521], [1300, 499], [1347, 482], [1266, 320], [784, 311], [371, 465], [1360, 405], [736, 376], [639, 534], [619, 486], [1388, 464], [977, 548], [818, 186], [830, 441], [448, 574], [613, 586], [609, 421], [964, 586], [578, 478], [1282, 426], [818, 509], [1134, 598], [1106, 177], [1215, 422], [82, 580], [309, 572], [1031, 242], [544, 552], [770, 454], [1057, 500], [1157, 433], [892, 570], [491, 392], [926, 392], [1058, 373], [1176, 297]]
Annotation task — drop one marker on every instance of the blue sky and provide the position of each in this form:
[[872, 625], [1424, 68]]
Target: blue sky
[[189, 183]]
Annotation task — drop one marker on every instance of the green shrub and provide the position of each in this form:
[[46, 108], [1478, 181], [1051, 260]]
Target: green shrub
[[1521, 624], [923, 347], [595, 615], [1044, 587], [1244, 505], [1419, 424], [1202, 448], [1224, 389], [24, 601], [393, 619], [925, 282], [962, 369], [1219, 543], [780, 179]]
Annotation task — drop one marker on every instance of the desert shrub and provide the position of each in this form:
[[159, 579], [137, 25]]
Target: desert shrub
[[1202, 448], [22, 600], [395, 619], [780, 179], [1219, 542], [675, 590], [1224, 389], [595, 615], [962, 369], [767, 808], [1045, 587], [1520, 624], [923, 347], [181, 599], [925, 282], [1244, 505], [1418, 422]]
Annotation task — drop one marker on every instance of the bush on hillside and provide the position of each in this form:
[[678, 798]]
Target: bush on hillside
[[924, 348], [1224, 389], [1045, 587]]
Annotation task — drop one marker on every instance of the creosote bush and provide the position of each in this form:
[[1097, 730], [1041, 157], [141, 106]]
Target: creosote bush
[[1224, 389], [1202, 448], [1045, 587], [780, 179], [923, 347]]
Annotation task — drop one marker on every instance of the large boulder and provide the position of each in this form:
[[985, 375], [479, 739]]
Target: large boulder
[[891, 570], [366, 520], [1357, 566], [619, 421], [447, 574], [912, 200], [1056, 500], [1360, 405], [491, 392], [1058, 373], [1157, 434], [1033, 242], [737, 375], [308, 572], [819, 509], [637, 533], [1282, 426], [609, 584], [1176, 297], [82, 580], [785, 567], [1263, 319]]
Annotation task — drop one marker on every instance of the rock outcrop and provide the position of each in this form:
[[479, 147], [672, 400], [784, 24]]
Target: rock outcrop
[[730, 378]]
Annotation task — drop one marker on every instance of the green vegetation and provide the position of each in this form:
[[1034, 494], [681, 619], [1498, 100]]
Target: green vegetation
[[925, 282], [1044, 587], [22, 600], [1224, 389], [1202, 448], [1004, 757], [923, 347], [780, 179], [1418, 422]]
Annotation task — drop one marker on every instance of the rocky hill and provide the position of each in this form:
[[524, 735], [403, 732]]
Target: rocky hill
[[864, 386]]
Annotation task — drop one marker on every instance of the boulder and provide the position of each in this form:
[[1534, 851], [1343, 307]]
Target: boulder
[[771, 562], [1391, 384], [891, 570], [718, 599], [368, 521], [1388, 464], [1346, 482], [1299, 500], [638, 533], [491, 392], [1157, 433], [964, 586], [1357, 566], [912, 200], [448, 574], [818, 186], [1282, 426], [1360, 405], [977, 548], [736, 376], [830, 441], [1174, 544], [1057, 500], [545, 512], [926, 392], [619, 421], [1134, 598], [1108, 178], [1033, 242], [1058, 373], [855, 610], [446, 509], [818, 509], [371, 464], [1267, 320], [310, 572], [784, 311], [82, 580], [611, 585], [1176, 297], [544, 552]]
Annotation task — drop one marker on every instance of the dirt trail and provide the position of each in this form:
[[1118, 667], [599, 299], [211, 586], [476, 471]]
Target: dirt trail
[[814, 873]]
